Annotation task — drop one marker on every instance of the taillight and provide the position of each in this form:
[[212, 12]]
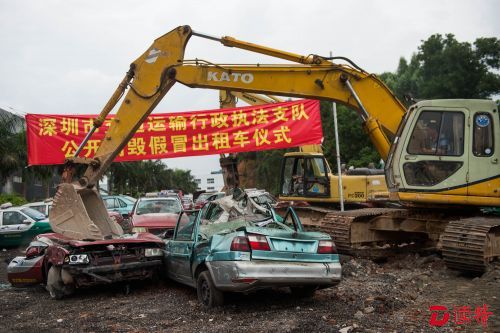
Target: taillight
[[240, 243], [326, 247], [258, 242]]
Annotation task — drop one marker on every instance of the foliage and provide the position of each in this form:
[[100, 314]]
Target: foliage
[[148, 176], [14, 199], [12, 151], [356, 148], [446, 68], [268, 169]]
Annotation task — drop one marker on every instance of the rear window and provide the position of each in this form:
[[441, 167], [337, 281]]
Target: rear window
[[158, 206]]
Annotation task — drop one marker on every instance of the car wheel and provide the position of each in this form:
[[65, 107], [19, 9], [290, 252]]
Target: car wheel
[[304, 291], [55, 286], [208, 295]]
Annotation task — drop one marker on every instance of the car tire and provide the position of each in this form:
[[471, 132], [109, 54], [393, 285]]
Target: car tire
[[304, 291], [208, 295], [55, 286]]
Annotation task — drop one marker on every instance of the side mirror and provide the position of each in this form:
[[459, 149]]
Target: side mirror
[[27, 222]]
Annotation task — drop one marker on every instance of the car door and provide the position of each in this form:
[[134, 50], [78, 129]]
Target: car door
[[121, 207], [180, 248], [14, 225]]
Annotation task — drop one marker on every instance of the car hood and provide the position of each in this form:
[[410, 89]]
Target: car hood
[[128, 238], [158, 220]]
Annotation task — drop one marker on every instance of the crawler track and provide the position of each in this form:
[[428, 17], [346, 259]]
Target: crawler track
[[339, 226], [471, 244]]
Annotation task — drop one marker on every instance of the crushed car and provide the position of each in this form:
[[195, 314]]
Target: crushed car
[[233, 245], [64, 264]]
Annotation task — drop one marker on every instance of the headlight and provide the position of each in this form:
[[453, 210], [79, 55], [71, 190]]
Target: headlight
[[153, 252], [75, 259], [138, 229]]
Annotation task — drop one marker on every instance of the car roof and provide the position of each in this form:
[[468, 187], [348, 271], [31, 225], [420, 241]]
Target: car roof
[[158, 198], [38, 203], [13, 209]]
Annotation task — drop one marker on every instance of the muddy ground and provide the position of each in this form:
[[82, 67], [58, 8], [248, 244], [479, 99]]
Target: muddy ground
[[393, 296]]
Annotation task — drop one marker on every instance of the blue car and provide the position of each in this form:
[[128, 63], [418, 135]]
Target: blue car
[[221, 249], [122, 204]]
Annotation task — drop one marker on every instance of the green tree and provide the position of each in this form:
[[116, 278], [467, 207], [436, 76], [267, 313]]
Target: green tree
[[446, 68], [148, 176], [356, 148], [12, 154]]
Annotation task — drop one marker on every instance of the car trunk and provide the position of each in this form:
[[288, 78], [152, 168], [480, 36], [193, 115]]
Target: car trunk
[[289, 245]]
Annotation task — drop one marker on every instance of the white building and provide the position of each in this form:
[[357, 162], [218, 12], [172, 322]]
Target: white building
[[210, 182]]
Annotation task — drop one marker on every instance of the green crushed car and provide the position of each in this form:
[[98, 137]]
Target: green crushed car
[[222, 249]]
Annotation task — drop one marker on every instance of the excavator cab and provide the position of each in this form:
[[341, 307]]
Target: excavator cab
[[447, 153], [305, 175]]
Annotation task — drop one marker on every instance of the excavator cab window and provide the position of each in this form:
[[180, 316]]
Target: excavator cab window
[[483, 135], [305, 176], [435, 148], [316, 182]]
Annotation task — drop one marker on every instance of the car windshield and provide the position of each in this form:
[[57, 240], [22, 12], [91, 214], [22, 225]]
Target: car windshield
[[152, 206], [34, 214]]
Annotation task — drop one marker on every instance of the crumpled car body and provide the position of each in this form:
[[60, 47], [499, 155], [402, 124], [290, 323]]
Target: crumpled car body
[[64, 264], [245, 252]]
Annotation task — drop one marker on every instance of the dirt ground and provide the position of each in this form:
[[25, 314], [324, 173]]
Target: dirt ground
[[393, 296]]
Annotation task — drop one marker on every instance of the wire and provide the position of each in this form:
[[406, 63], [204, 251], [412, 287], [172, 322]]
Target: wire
[[352, 63]]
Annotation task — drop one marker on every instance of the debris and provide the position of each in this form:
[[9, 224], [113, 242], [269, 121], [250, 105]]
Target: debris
[[369, 309], [346, 329], [358, 315], [59, 320]]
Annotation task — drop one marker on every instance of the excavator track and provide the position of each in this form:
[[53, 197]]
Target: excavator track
[[471, 244], [339, 226]]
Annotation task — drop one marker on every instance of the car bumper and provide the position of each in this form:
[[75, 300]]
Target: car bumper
[[22, 271], [89, 275], [244, 276]]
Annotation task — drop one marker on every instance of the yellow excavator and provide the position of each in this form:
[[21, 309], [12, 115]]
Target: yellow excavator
[[362, 187], [441, 155]]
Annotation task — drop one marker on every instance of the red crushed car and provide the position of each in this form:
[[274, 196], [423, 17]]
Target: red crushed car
[[64, 264]]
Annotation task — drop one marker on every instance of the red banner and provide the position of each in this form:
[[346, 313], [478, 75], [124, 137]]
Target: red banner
[[52, 138]]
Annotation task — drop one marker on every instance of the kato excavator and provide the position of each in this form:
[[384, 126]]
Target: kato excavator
[[362, 187], [441, 155]]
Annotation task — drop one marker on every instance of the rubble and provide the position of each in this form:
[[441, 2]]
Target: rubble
[[391, 296]]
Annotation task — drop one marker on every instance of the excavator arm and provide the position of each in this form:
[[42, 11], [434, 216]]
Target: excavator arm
[[78, 210], [315, 81]]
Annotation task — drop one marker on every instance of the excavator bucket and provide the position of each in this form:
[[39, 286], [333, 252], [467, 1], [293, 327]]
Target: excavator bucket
[[79, 213]]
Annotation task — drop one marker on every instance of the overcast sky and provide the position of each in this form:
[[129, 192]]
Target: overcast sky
[[62, 56]]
